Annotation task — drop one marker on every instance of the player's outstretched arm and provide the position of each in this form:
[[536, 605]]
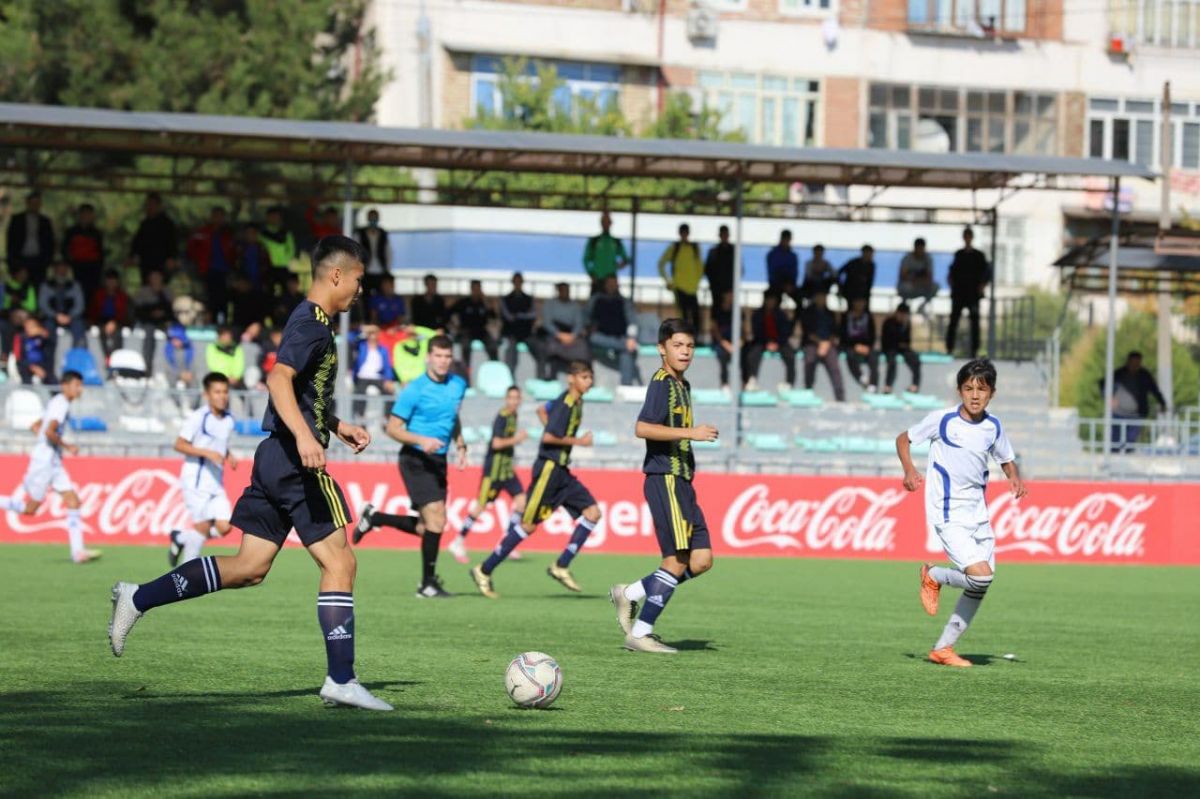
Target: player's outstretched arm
[[1015, 483], [661, 432], [283, 396], [912, 478]]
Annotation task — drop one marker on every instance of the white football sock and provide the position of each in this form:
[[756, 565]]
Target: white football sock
[[75, 531], [192, 542], [960, 619], [635, 592], [945, 576], [641, 629]]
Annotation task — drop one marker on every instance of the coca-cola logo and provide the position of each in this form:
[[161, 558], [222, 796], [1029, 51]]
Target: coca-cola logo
[[850, 519], [1103, 523], [143, 502]]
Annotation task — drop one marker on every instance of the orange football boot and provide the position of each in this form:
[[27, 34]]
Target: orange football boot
[[930, 590], [947, 657]]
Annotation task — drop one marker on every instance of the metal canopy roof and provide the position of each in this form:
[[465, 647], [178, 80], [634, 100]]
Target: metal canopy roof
[[1140, 270], [54, 128]]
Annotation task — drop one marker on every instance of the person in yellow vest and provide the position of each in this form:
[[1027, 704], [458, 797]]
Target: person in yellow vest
[[225, 355], [686, 270], [408, 355]]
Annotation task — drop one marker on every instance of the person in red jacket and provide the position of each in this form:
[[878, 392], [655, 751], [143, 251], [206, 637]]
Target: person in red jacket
[[327, 223], [109, 311], [211, 249]]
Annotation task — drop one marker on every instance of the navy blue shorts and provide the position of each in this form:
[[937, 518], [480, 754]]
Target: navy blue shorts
[[678, 521], [489, 489], [283, 495], [555, 487]]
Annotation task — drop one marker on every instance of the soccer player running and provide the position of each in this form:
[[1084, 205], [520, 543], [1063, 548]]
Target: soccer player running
[[498, 473], [289, 487], [425, 421], [667, 425], [553, 487], [46, 471], [963, 437], [204, 442]]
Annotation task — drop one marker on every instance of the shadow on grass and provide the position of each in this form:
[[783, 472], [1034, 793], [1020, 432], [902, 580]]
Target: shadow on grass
[[142, 693], [86, 740], [694, 645]]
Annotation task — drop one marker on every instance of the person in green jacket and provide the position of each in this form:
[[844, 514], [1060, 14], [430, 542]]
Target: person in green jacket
[[686, 271], [603, 255], [408, 355], [226, 356]]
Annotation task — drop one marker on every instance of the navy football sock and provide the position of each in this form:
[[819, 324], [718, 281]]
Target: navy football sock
[[515, 535], [405, 524], [335, 612], [194, 578], [467, 524], [578, 539], [659, 587], [430, 542]]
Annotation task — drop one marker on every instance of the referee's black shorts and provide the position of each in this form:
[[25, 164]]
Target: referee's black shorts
[[284, 494], [424, 476]]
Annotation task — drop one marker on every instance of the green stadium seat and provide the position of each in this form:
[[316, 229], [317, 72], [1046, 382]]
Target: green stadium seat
[[802, 398], [759, 399], [600, 394], [767, 442], [706, 444], [886, 402], [923, 402], [603, 438], [710, 396], [471, 435], [705, 352], [543, 390], [936, 357], [493, 378], [535, 433]]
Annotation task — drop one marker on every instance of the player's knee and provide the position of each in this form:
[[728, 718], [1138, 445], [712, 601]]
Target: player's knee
[[700, 563], [592, 514], [248, 576], [978, 583]]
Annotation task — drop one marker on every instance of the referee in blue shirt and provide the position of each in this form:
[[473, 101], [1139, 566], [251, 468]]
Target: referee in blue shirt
[[425, 420]]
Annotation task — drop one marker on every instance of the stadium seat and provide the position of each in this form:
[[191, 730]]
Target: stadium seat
[[600, 394], [23, 407], [635, 394], [141, 424], [535, 433], [87, 424], [603, 438], [471, 435], [493, 378], [767, 442], [542, 390], [249, 427], [81, 360], [706, 444], [759, 399], [710, 396], [935, 357], [884, 402], [802, 398], [923, 402]]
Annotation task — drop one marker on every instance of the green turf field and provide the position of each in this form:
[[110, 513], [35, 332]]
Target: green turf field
[[796, 678]]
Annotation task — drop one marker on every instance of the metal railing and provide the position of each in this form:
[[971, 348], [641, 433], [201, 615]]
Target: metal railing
[[1177, 436]]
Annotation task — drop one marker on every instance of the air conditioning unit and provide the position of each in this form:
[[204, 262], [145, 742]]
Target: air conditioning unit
[[702, 23]]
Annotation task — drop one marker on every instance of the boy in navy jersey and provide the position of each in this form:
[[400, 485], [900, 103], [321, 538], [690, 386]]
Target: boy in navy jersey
[[667, 425], [553, 486], [289, 487]]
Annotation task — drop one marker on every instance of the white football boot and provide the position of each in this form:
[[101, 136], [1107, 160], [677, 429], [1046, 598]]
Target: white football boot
[[458, 548], [351, 694], [124, 616]]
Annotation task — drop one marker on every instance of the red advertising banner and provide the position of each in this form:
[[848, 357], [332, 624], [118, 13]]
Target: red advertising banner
[[138, 501]]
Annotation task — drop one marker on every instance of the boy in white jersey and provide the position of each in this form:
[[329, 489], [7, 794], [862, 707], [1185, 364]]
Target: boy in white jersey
[[204, 441], [46, 471], [963, 437]]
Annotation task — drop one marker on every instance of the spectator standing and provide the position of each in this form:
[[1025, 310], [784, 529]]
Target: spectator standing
[[60, 300], [721, 330], [858, 341], [916, 276], [253, 260], [153, 308], [1133, 386], [374, 240], [819, 336], [969, 277], [83, 249], [157, 238], [35, 364], [30, 240], [683, 257], [225, 355], [562, 333], [896, 341], [473, 314], [783, 268], [250, 306], [517, 317], [326, 223], [109, 311], [280, 245], [819, 275], [604, 254], [613, 330], [718, 267], [770, 331], [178, 355], [286, 302], [387, 308], [856, 278], [429, 309], [211, 249], [372, 368]]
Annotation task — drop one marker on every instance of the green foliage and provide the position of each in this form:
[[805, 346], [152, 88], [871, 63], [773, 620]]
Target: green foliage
[[1137, 330], [1047, 310], [528, 90]]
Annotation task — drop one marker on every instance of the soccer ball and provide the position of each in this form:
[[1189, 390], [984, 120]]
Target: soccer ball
[[533, 679]]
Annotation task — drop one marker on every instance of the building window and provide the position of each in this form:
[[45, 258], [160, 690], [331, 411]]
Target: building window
[[1160, 23], [1129, 130], [803, 7], [973, 17], [952, 120], [596, 83], [766, 109], [1010, 252]]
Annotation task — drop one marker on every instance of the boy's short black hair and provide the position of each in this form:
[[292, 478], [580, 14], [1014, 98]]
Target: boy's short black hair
[[578, 367], [441, 343], [214, 377], [331, 248], [674, 325], [70, 375], [978, 369], [515, 388], [902, 308], [1134, 354]]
